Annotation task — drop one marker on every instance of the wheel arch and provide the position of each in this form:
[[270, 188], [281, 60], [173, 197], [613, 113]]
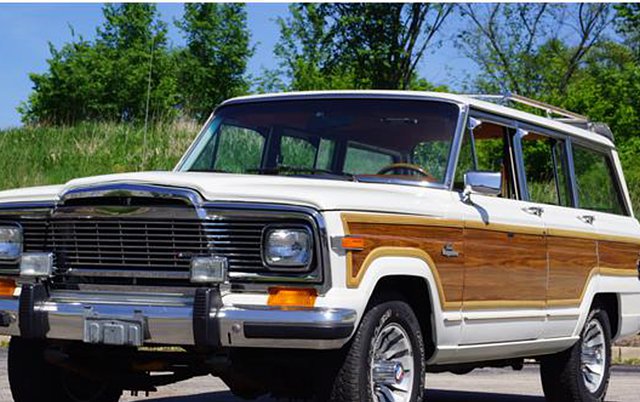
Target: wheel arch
[[610, 303], [414, 279]]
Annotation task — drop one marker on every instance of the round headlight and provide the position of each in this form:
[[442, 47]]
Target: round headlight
[[10, 243], [288, 247]]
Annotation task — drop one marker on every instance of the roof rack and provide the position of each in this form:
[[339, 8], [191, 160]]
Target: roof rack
[[551, 112]]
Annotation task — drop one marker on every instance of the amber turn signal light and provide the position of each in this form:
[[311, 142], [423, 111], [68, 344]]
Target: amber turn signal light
[[7, 287], [292, 297], [350, 243]]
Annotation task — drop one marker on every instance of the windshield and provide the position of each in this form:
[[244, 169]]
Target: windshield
[[351, 139]]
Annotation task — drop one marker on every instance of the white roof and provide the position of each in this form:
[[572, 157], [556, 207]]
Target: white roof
[[460, 99]]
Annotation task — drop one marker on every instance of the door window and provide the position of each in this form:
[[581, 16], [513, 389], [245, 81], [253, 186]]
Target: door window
[[488, 149], [595, 181]]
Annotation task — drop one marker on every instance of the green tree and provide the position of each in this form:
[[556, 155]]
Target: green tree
[[628, 24], [125, 73], [139, 71], [518, 46], [361, 45], [212, 66]]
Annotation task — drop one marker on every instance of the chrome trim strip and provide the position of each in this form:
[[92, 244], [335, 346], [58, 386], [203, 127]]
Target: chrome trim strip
[[35, 205], [456, 145], [521, 174], [125, 189]]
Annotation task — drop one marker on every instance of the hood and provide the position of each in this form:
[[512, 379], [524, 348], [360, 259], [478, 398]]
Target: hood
[[320, 194]]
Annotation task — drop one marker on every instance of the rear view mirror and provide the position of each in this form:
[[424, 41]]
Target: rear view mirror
[[483, 183]]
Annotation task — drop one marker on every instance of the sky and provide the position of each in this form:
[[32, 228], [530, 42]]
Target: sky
[[27, 29]]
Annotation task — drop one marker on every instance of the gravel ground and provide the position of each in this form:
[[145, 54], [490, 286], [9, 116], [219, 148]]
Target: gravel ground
[[486, 385]]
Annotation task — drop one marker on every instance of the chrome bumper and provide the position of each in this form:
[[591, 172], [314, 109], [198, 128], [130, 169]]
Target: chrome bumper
[[170, 321]]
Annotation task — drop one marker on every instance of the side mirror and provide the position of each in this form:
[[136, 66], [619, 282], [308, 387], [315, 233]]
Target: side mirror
[[483, 183]]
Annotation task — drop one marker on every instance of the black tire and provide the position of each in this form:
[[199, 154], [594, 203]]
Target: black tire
[[352, 381], [32, 379], [561, 374]]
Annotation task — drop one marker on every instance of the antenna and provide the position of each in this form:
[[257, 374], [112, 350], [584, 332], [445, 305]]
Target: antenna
[[146, 112]]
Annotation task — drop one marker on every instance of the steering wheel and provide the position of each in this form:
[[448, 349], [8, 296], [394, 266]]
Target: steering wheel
[[406, 166]]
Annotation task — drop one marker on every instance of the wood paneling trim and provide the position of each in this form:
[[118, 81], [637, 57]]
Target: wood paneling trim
[[442, 222], [356, 273], [405, 252]]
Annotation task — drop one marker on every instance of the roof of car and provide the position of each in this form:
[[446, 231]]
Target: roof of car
[[471, 101]]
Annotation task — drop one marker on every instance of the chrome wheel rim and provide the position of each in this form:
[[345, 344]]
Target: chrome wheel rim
[[392, 365], [593, 356]]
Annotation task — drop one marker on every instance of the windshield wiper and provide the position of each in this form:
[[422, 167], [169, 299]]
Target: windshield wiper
[[300, 170]]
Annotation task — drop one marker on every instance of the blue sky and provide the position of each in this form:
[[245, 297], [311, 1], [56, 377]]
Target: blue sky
[[26, 30]]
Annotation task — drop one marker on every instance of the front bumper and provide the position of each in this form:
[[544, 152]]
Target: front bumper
[[174, 320]]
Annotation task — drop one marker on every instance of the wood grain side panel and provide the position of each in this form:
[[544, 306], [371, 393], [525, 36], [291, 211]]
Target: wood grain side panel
[[571, 262], [615, 256], [430, 239], [502, 266]]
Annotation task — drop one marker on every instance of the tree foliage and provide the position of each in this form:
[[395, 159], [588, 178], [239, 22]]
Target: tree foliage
[[212, 66], [129, 73], [519, 48], [357, 45], [628, 24]]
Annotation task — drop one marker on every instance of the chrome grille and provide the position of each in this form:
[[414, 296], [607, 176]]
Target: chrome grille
[[240, 242], [166, 245], [35, 234], [134, 244]]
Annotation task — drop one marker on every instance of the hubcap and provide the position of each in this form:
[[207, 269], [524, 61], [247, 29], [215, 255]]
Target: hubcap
[[594, 356], [392, 365]]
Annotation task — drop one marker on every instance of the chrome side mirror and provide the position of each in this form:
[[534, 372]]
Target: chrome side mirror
[[483, 183]]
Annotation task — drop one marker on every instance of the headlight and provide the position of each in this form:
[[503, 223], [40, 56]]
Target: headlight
[[10, 243], [288, 247]]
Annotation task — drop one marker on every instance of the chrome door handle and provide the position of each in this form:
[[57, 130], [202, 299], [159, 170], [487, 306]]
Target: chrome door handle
[[537, 211], [588, 219]]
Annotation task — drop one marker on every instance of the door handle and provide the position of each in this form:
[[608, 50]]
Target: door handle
[[588, 219], [537, 211]]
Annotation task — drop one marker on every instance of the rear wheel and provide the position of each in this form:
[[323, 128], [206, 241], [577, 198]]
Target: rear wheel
[[32, 379], [385, 361], [581, 373]]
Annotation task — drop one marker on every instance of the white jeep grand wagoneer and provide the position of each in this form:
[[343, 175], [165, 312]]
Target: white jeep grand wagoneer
[[330, 245]]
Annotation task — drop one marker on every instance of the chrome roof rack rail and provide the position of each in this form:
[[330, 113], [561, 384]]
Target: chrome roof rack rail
[[551, 112]]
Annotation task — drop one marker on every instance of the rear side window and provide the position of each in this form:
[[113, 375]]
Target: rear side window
[[595, 182]]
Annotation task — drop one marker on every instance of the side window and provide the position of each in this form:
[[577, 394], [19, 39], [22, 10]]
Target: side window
[[239, 149], [545, 169], [595, 181], [360, 160], [296, 152]]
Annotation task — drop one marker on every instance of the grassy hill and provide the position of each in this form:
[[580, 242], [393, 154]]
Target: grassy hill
[[36, 156], [52, 155]]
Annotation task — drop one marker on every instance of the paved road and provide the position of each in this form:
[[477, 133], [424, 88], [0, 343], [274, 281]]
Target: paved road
[[486, 385]]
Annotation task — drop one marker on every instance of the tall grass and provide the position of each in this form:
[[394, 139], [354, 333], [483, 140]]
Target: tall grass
[[47, 155]]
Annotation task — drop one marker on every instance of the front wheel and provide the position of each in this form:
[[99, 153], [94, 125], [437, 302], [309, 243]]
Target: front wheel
[[385, 361], [581, 373]]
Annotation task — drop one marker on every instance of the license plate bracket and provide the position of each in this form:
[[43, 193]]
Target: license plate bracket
[[119, 331]]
